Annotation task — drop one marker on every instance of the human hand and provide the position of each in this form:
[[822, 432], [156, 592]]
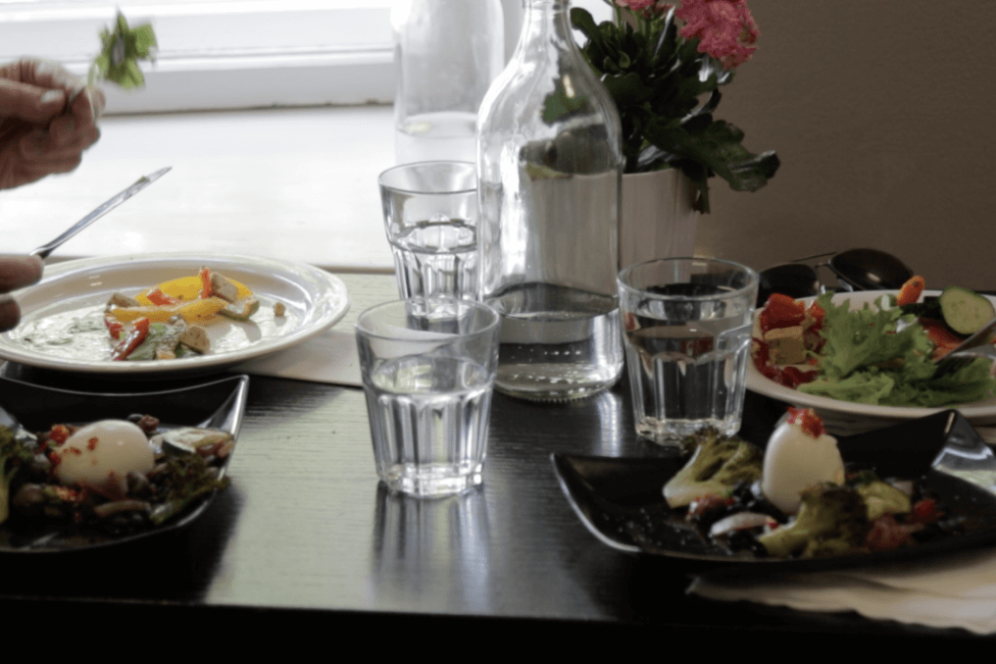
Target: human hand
[[15, 272], [48, 117]]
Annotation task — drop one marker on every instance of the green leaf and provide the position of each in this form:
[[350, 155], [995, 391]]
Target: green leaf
[[715, 145], [627, 89], [559, 104], [583, 21], [658, 82], [145, 41], [121, 51]]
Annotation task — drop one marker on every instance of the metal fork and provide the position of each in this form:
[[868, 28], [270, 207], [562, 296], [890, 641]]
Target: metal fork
[[977, 345]]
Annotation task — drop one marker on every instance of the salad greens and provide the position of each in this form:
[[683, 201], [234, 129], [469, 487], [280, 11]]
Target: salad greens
[[121, 51], [865, 360]]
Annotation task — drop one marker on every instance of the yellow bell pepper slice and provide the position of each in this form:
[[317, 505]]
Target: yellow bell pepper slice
[[187, 289], [192, 312]]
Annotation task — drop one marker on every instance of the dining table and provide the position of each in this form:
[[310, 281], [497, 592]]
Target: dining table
[[306, 540]]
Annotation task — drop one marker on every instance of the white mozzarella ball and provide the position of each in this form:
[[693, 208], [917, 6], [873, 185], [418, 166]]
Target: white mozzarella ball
[[100, 455], [795, 461]]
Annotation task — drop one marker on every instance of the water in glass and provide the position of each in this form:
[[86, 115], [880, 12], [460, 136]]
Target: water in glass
[[436, 259], [686, 375], [429, 418]]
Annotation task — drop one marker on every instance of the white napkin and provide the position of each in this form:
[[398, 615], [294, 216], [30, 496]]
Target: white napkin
[[987, 434], [330, 357], [957, 590]]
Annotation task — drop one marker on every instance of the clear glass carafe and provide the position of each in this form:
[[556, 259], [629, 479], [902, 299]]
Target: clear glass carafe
[[549, 175], [447, 53]]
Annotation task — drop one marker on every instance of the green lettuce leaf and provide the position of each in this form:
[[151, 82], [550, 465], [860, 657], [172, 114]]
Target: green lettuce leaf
[[865, 337], [864, 360], [121, 51]]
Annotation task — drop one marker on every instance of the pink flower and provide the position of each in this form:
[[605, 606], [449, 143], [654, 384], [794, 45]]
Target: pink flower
[[645, 8], [724, 29], [634, 5]]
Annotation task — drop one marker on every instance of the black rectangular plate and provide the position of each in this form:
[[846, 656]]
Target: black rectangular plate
[[620, 500], [219, 404]]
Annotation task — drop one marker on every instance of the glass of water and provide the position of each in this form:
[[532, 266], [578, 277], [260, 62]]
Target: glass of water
[[687, 328], [428, 368], [430, 213]]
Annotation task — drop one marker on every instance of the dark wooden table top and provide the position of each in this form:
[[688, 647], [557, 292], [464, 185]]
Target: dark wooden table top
[[306, 537]]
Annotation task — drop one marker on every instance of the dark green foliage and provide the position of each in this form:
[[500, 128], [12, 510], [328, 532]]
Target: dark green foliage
[[666, 91]]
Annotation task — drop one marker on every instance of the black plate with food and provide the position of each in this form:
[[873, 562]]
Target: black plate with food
[[621, 501], [66, 492]]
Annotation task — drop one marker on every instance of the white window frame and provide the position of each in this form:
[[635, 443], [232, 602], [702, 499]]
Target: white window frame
[[232, 55], [246, 54]]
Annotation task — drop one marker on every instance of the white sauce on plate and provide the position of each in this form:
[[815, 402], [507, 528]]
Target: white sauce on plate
[[79, 333]]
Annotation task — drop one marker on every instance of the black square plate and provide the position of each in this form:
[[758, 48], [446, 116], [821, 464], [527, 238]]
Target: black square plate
[[620, 500], [218, 405]]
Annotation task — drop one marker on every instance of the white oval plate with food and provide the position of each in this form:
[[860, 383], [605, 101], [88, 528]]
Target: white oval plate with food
[[845, 417], [62, 321]]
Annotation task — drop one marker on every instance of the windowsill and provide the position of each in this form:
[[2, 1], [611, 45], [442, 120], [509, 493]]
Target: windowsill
[[292, 184]]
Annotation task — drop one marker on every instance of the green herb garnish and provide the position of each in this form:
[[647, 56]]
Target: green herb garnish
[[122, 49]]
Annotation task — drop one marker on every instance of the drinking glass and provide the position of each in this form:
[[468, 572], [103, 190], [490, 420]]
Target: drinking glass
[[428, 368], [687, 328], [430, 214]]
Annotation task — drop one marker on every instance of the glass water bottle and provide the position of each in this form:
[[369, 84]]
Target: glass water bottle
[[447, 53], [549, 174]]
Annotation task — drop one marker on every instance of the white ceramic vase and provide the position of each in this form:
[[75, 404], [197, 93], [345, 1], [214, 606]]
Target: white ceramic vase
[[656, 219]]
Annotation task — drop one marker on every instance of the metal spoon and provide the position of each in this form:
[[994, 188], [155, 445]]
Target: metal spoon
[[141, 183]]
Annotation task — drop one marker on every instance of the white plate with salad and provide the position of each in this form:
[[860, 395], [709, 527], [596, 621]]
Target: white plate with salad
[[846, 417], [64, 324]]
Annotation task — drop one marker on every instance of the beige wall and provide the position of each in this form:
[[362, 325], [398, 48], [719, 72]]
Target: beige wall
[[882, 114]]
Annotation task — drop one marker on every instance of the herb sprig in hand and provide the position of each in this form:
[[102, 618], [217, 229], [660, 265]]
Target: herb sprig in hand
[[122, 49]]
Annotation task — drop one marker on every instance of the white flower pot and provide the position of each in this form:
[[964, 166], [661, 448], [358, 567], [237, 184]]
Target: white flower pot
[[656, 219]]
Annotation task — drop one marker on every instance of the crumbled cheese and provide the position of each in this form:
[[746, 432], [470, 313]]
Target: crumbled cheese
[[785, 345]]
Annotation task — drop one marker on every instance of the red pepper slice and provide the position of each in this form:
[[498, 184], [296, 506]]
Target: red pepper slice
[[132, 341], [59, 433], [114, 326], [944, 340], [816, 312], [911, 290], [159, 298], [925, 511], [794, 377], [781, 311], [807, 419], [206, 289]]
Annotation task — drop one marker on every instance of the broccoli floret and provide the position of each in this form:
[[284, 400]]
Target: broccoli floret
[[744, 466], [832, 520], [880, 497], [12, 455], [717, 465]]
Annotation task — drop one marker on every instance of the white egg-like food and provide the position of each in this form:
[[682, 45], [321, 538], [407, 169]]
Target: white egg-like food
[[798, 456], [100, 456]]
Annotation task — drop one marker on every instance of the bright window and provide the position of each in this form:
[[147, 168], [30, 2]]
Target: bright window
[[223, 54], [229, 54]]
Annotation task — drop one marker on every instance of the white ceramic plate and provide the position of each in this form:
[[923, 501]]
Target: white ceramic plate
[[845, 418], [78, 290]]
